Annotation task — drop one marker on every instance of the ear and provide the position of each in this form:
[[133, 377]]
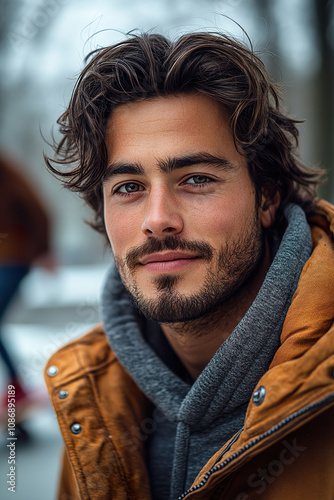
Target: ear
[[268, 208]]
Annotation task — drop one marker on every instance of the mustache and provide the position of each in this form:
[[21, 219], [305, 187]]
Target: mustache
[[153, 245]]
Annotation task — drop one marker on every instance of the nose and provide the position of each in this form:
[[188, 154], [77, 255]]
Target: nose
[[162, 215]]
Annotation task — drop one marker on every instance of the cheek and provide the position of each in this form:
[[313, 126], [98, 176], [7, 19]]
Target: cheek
[[114, 230], [225, 217], [121, 231]]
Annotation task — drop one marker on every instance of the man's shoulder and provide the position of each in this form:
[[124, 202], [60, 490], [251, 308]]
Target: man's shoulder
[[92, 342], [322, 216], [89, 352]]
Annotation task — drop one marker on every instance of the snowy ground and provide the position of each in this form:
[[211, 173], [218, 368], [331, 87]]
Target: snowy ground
[[51, 310]]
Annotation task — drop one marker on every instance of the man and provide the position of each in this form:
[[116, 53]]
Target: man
[[213, 373]]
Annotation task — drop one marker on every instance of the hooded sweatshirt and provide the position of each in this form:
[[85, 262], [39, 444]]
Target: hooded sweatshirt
[[192, 421]]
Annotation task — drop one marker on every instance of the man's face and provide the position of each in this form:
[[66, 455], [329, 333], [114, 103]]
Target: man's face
[[179, 207]]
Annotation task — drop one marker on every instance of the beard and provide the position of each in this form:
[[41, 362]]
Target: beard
[[229, 269]]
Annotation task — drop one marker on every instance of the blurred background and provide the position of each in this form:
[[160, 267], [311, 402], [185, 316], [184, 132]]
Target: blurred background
[[42, 47]]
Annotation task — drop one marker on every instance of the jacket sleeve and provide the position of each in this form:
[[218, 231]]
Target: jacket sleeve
[[67, 489]]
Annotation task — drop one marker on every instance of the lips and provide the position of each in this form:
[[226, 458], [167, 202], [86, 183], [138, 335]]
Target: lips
[[166, 257], [167, 262]]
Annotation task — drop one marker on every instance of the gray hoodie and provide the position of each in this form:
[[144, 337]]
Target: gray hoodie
[[195, 420]]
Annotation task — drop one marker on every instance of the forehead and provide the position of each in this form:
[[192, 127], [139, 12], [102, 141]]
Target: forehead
[[166, 126]]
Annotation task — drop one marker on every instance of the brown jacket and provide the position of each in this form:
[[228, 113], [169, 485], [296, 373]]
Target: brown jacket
[[285, 450]]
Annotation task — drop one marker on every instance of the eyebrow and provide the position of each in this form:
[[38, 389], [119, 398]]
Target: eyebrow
[[169, 164], [119, 168]]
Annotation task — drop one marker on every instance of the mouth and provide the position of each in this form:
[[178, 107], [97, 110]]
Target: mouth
[[167, 262]]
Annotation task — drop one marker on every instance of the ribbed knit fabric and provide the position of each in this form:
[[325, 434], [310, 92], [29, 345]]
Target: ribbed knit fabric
[[199, 418]]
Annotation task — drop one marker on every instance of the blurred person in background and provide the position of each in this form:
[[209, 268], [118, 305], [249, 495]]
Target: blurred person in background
[[24, 241], [212, 375]]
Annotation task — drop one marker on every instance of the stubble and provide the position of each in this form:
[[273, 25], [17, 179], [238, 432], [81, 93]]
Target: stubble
[[228, 272]]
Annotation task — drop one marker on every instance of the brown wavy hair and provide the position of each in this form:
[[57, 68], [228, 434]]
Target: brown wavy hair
[[149, 65]]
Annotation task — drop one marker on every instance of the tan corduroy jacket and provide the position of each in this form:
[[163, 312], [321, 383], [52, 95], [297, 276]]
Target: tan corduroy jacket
[[285, 450]]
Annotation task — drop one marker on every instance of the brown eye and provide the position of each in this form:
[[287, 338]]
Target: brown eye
[[198, 179], [130, 187]]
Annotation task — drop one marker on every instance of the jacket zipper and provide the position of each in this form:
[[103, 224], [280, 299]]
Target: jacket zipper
[[255, 441]]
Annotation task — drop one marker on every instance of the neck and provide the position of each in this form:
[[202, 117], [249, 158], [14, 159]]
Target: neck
[[196, 342]]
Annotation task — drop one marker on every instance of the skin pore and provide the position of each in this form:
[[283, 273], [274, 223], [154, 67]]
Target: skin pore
[[182, 219]]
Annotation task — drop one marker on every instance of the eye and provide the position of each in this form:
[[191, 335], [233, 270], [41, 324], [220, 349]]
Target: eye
[[198, 179], [128, 188]]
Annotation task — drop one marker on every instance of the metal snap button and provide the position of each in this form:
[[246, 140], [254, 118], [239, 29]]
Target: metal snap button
[[259, 395], [76, 428], [52, 371], [62, 394]]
